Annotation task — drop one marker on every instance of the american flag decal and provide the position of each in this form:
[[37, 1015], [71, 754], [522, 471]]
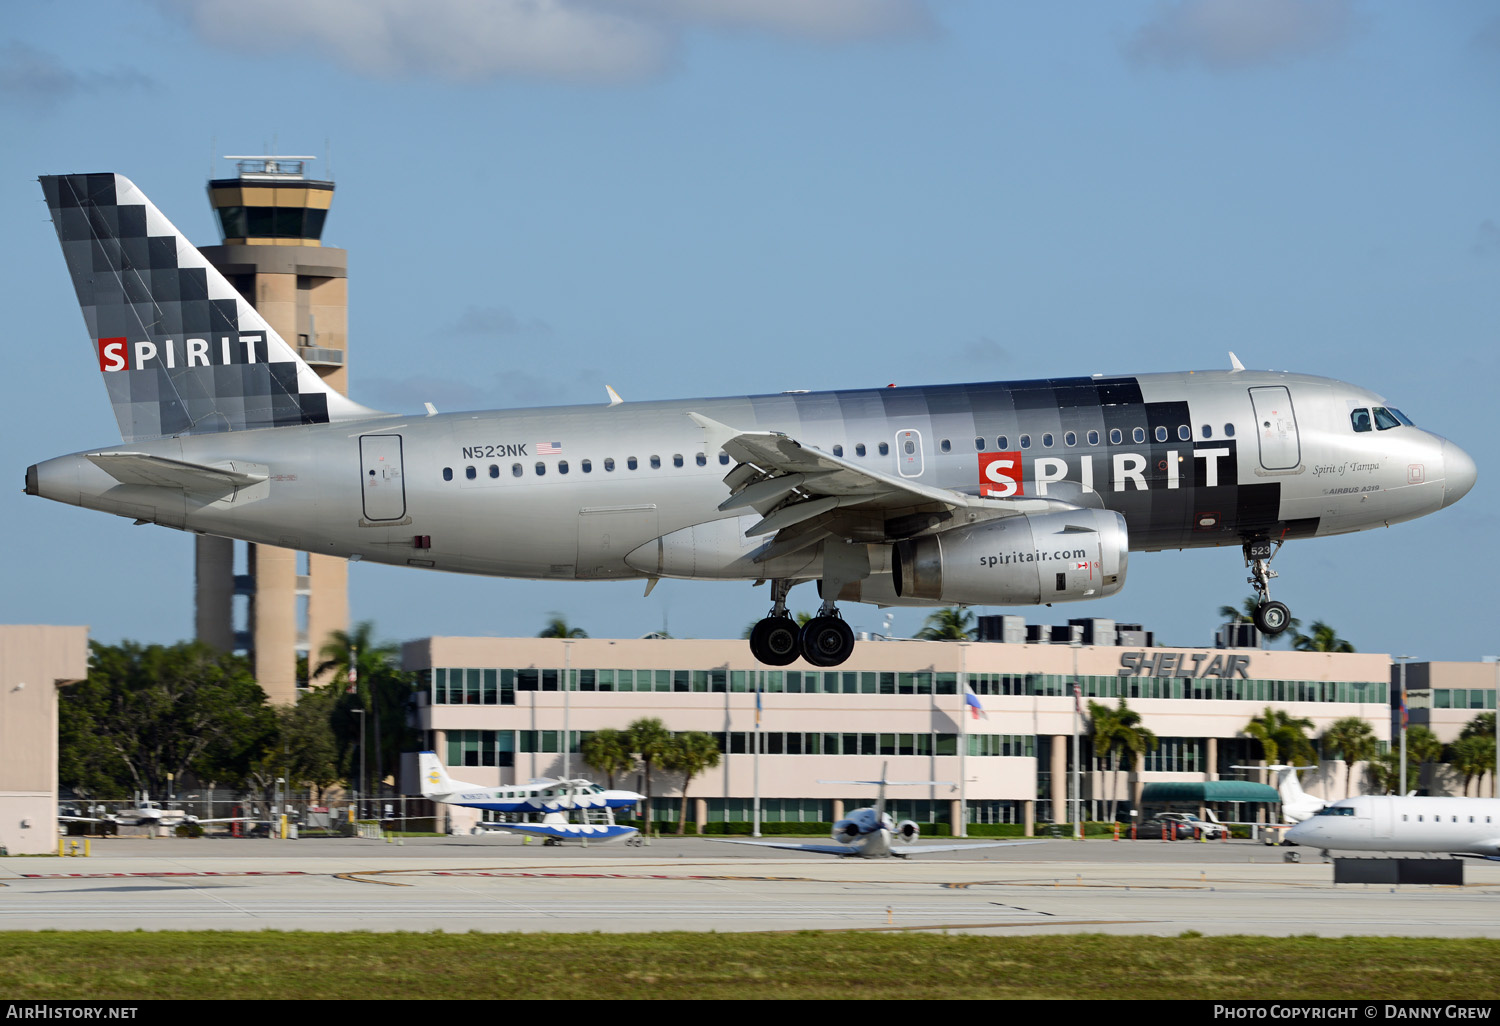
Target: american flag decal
[[549, 448]]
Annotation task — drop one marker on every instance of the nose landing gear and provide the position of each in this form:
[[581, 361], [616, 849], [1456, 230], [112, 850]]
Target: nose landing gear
[[1271, 618]]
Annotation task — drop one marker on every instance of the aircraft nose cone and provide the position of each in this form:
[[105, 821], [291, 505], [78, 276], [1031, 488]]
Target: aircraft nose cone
[[1459, 473]]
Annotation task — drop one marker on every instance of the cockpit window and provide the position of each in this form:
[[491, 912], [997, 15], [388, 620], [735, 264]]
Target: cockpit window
[[1336, 810], [1384, 420], [1360, 419]]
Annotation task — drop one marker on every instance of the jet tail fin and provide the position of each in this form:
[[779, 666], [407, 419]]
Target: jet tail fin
[[180, 350]]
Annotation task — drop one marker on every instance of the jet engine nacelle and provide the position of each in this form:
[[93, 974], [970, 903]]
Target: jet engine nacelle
[[846, 831], [1021, 560], [908, 831]]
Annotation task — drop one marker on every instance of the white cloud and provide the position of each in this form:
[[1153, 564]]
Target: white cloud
[[1230, 35], [598, 41], [37, 80]]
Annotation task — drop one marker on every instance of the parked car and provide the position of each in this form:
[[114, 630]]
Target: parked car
[[1182, 826]]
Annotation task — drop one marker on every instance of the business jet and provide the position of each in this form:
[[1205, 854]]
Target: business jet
[[1456, 826], [993, 493], [870, 833], [1296, 804], [554, 799]]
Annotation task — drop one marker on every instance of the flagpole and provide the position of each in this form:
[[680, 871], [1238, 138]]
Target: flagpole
[[755, 806], [961, 828]]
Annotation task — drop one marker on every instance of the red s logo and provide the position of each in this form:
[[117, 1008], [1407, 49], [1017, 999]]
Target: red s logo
[[1000, 474], [114, 354]]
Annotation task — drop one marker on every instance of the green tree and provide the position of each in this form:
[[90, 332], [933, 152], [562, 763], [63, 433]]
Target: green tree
[[1283, 737], [691, 753], [1422, 748], [1385, 771], [608, 751], [1353, 739], [1322, 639], [951, 624], [149, 710], [1117, 730], [652, 742], [366, 677], [1473, 756], [557, 627]]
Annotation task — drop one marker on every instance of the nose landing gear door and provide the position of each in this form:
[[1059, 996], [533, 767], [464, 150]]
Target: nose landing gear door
[[381, 472], [1276, 427]]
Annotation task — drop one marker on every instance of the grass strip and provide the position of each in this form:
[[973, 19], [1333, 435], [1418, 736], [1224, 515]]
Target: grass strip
[[383, 966]]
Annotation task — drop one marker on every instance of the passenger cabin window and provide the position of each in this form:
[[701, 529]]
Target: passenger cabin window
[[1002, 443], [447, 473], [859, 450], [656, 463], [885, 450], [1026, 441], [515, 470], [1070, 439], [945, 445], [1093, 438], [1184, 432], [586, 466], [1047, 440], [1139, 434], [838, 450], [910, 447], [1228, 430], [979, 445], [677, 459], [724, 459], [494, 470], [1360, 419], [701, 460], [1208, 430], [541, 469], [631, 463], [1161, 433], [562, 466], [609, 464], [1115, 437], [470, 473]]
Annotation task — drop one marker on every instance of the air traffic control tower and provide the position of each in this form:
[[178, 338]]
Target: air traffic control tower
[[271, 218]]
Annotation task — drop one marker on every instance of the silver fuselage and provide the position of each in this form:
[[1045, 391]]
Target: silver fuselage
[[633, 490]]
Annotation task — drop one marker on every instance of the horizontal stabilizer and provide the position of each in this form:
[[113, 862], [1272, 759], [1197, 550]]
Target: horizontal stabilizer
[[139, 468]]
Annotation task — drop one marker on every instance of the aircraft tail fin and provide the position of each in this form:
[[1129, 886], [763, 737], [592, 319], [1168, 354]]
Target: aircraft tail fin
[[433, 775], [181, 351]]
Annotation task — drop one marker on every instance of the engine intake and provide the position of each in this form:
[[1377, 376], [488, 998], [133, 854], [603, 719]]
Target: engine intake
[[908, 831], [1021, 560]]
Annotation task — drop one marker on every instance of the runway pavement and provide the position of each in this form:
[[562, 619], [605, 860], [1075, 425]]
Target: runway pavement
[[495, 884]]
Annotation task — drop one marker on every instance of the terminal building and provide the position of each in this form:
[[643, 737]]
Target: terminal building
[[499, 711]]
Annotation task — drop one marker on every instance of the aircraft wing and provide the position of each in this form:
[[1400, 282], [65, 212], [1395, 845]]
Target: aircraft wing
[[805, 494], [139, 468], [841, 850], [927, 849]]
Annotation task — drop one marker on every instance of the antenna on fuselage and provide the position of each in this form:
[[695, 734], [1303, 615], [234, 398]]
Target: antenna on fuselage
[[1234, 362]]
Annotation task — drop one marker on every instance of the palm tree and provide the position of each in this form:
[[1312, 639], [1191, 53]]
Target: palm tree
[[1481, 727], [952, 624], [1322, 639], [1422, 747], [608, 751], [1354, 740], [1282, 737], [1474, 756], [557, 627], [358, 662], [652, 741], [1113, 731], [1385, 769], [692, 752]]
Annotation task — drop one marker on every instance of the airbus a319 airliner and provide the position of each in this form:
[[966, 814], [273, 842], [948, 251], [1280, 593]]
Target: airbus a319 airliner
[[994, 493]]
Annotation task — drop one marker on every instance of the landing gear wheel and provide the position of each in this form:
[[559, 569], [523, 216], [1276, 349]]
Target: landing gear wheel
[[775, 641], [827, 641], [1271, 618]]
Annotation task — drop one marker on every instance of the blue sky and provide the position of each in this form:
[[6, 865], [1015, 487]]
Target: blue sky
[[709, 197]]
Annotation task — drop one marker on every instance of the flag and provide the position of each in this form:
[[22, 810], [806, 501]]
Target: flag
[[976, 711], [549, 448], [353, 680], [757, 707], [1077, 699]]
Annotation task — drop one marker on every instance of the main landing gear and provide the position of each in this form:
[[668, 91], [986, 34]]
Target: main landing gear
[[1271, 618], [825, 640]]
